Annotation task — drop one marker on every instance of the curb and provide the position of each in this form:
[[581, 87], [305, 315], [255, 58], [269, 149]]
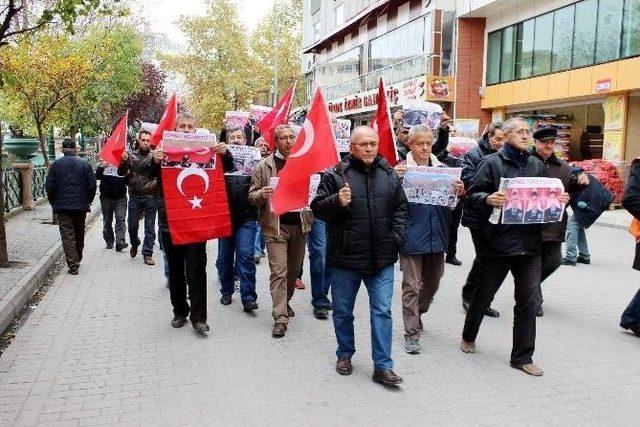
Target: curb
[[609, 225], [13, 302]]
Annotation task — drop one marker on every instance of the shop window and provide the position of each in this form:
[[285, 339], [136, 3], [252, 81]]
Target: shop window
[[542, 44], [609, 30], [562, 39], [524, 49], [508, 62], [631, 29], [336, 70], [398, 45], [493, 57], [584, 36]]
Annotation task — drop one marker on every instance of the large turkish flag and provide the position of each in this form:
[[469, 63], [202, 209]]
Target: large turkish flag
[[167, 122], [278, 116], [382, 125]]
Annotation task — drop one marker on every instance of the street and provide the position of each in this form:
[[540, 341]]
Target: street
[[99, 350]]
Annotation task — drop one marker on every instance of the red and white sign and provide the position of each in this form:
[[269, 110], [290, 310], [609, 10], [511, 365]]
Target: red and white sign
[[603, 85]]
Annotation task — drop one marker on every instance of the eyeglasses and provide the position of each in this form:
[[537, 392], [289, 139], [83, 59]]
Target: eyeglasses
[[522, 131], [283, 138], [364, 145]]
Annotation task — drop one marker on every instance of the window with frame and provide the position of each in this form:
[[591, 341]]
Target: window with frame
[[315, 6], [584, 35], [562, 39], [608, 30], [340, 68], [631, 29], [494, 46], [524, 49], [397, 45], [542, 44]]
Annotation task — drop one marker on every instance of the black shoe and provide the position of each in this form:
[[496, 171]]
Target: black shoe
[[110, 246], [539, 311], [320, 313], [453, 261], [290, 311], [250, 306], [491, 312], [225, 299], [568, 262], [133, 251], [635, 329], [74, 271], [387, 377], [583, 260], [201, 327], [119, 248], [178, 321]]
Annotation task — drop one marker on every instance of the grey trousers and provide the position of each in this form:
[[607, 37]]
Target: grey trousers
[[113, 208]]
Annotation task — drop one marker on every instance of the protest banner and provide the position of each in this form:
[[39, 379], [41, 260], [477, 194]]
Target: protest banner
[[314, 182], [188, 149], [237, 118], [111, 170], [431, 185], [343, 134], [532, 201], [421, 113], [258, 112], [245, 158], [149, 127]]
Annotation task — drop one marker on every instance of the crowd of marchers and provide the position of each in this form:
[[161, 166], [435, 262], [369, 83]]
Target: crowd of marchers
[[358, 226]]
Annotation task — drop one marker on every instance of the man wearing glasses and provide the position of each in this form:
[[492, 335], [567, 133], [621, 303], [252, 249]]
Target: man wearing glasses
[[285, 236], [365, 208]]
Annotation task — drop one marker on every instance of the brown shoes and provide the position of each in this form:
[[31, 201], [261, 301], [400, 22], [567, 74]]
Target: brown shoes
[[387, 377], [343, 366], [148, 260], [467, 347], [279, 329], [530, 368]]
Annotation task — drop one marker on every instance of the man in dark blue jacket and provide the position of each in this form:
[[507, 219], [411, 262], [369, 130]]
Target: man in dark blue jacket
[[113, 202], [71, 187]]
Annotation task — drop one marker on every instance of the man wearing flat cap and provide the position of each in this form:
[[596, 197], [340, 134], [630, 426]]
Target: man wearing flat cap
[[553, 233]]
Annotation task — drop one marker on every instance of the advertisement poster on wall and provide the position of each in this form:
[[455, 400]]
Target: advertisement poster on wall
[[614, 112], [440, 88], [612, 146]]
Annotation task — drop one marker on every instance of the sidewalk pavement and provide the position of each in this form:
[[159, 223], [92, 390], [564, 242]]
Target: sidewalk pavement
[[617, 218], [35, 246], [99, 349]]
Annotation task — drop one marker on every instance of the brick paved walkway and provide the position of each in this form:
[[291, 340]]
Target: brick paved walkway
[[99, 350]]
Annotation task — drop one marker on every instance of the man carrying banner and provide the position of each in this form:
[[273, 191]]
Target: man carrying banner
[[365, 208], [113, 202], [143, 202], [503, 248], [422, 255], [235, 253], [285, 235]]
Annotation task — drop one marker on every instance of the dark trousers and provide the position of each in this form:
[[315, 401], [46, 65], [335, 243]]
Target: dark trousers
[[456, 215], [71, 225], [631, 315], [187, 264], [474, 277], [143, 207], [113, 208], [526, 273], [551, 259]]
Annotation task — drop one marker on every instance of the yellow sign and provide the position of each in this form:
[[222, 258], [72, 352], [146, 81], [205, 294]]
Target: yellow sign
[[612, 146], [440, 88], [614, 112]]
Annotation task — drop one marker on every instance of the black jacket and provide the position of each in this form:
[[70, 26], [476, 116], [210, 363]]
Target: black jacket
[[238, 194], [631, 201], [497, 239], [70, 184], [589, 203], [470, 162], [112, 187], [367, 234], [137, 167]]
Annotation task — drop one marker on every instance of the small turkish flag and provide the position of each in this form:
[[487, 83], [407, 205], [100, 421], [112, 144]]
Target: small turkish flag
[[277, 116], [314, 151], [113, 148], [382, 125], [167, 122]]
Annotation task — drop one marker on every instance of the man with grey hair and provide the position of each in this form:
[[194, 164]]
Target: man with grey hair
[[505, 248], [285, 235]]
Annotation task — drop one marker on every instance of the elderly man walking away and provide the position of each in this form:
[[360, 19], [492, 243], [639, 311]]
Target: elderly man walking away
[[365, 208], [71, 187]]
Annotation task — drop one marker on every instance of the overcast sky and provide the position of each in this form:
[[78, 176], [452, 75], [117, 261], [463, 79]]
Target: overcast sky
[[163, 13]]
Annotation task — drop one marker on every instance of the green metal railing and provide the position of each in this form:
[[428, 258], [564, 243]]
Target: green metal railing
[[12, 183]]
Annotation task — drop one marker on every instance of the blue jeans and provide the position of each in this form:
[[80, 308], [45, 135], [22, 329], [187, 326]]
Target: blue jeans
[[576, 238], [631, 315], [344, 289], [320, 273], [258, 249], [239, 244], [143, 207]]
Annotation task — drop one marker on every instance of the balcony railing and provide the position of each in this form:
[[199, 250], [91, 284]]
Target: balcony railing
[[404, 70]]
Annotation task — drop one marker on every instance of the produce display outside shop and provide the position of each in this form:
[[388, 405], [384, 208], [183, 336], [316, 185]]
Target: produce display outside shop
[[607, 173]]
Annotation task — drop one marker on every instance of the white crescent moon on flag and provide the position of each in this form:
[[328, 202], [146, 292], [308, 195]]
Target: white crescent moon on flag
[[192, 171], [309, 136]]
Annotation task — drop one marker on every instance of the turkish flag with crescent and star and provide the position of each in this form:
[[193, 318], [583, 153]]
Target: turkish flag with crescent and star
[[382, 125], [113, 148], [314, 151], [167, 122], [277, 116], [195, 193]]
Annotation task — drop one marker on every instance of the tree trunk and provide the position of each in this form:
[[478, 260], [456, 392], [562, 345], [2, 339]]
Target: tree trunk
[[43, 143], [4, 251]]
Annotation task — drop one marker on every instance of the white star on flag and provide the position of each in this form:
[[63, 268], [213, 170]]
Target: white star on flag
[[196, 203]]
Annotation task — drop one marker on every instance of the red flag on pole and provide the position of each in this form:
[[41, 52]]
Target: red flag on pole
[[167, 122], [382, 124], [314, 151], [113, 148], [277, 116]]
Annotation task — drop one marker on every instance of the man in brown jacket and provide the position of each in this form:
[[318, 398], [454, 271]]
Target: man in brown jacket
[[285, 236]]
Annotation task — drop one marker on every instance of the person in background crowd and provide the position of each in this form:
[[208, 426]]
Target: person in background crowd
[[285, 236], [490, 142], [553, 233], [71, 187], [113, 202], [365, 208], [187, 263], [143, 202], [402, 136], [422, 255], [630, 318], [235, 253], [506, 247], [259, 246]]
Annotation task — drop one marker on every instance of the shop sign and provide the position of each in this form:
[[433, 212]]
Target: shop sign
[[440, 88], [603, 85]]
